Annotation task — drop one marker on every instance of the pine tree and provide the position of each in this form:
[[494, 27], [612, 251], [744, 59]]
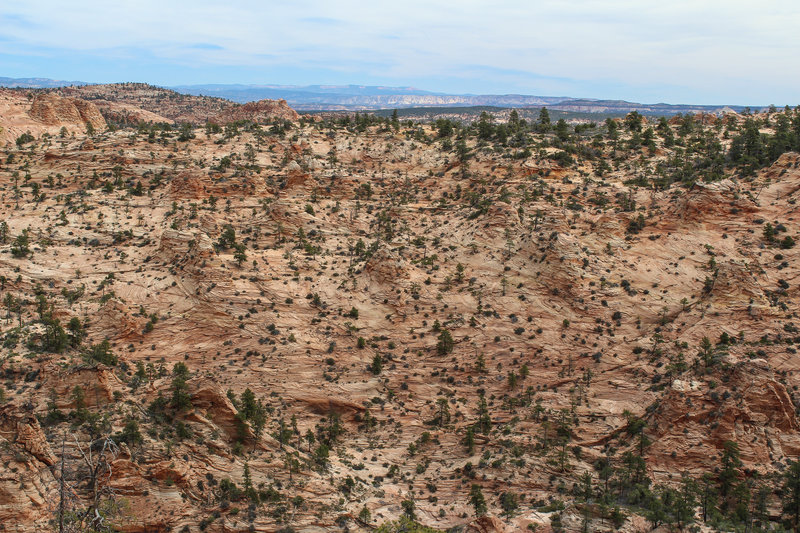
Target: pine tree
[[377, 364], [364, 515], [445, 343], [469, 440], [239, 254], [791, 494], [484, 423], [730, 469], [543, 124], [477, 500]]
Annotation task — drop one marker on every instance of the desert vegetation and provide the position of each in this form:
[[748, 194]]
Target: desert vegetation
[[356, 322]]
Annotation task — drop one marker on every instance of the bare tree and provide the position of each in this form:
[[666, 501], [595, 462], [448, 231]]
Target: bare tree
[[86, 500]]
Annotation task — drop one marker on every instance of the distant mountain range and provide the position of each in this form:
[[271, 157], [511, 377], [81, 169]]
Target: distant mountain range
[[363, 98], [37, 83], [337, 91]]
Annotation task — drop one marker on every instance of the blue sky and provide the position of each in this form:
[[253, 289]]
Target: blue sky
[[677, 51]]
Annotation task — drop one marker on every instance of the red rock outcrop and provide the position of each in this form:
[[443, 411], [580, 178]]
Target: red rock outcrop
[[487, 524], [752, 408], [704, 200], [260, 112]]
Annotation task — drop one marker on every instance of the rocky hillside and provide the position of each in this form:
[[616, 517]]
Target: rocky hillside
[[261, 112], [121, 100], [342, 324]]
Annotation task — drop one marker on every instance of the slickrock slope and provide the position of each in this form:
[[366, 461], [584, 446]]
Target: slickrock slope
[[123, 113], [54, 110], [22, 113], [327, 325]]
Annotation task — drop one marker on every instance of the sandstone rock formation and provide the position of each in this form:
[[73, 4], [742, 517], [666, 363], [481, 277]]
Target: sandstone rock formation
[[53, 110], [22, 113]]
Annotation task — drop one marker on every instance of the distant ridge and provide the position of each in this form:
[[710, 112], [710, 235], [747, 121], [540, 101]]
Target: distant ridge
[[360, 97], [371, 97]]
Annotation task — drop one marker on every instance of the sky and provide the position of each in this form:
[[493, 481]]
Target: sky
[[674, 51]]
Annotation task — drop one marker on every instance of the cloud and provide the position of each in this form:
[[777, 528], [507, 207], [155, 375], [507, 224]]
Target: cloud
[[322, 21], [14, 19], [682, 50], [205, 46]]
